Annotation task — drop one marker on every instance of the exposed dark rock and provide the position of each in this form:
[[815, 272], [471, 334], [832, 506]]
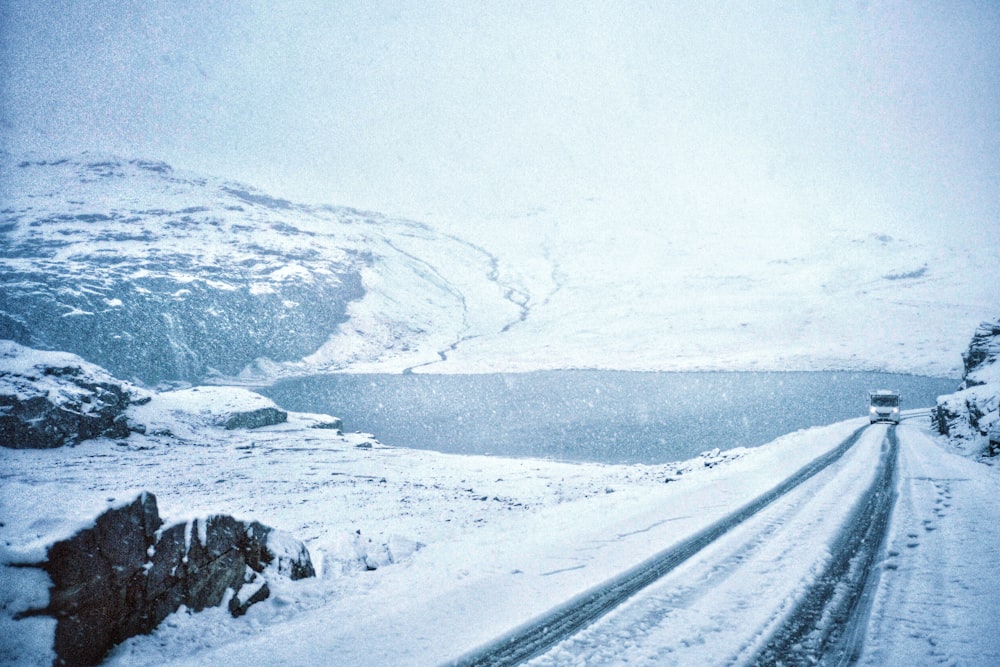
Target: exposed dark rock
[[163, 329], [124, 576], [968, 415], [907, 275], [256, 418], [95, 576], [332, 423], [48, 399], [255, 589], [984, 350]]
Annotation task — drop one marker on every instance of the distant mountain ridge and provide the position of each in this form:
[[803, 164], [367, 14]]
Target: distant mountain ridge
[[164, 276]]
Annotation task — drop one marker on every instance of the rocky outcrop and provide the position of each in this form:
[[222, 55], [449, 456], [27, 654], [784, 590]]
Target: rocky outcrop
[[982, 360], [124, 575], [968, 415], [228, 408], [329, 423], [255, 418], [48, 399]]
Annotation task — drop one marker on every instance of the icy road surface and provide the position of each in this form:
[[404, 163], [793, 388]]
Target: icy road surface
[[483, 545], [753, 583]]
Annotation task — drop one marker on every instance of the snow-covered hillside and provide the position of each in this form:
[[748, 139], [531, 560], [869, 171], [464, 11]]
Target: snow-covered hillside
[[163, 276], [626, 289], [159, 275]]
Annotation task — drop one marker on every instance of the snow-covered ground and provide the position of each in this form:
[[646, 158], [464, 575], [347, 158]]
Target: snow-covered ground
[[466, 547], [424, 556], [939, 592]]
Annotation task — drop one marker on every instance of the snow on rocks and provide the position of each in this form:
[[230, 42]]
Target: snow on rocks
[[221, 407], [969, 416], [981, 359], [366, 512], [122, 573], [354, 552], [126, 573], [48, 399], [169, 276]]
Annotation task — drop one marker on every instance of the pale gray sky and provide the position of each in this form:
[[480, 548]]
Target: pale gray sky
[[731, 111]]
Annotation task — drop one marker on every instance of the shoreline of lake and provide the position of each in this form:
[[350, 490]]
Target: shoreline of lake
[[594, 415]]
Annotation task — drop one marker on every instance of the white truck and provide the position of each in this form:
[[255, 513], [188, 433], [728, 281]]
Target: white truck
[[883, 406]]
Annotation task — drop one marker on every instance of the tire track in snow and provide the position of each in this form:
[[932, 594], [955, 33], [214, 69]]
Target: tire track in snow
[[667, 607], [828, 625], [538, 635]]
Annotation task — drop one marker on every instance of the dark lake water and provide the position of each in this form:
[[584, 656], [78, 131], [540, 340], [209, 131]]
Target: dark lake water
[[607, 416]]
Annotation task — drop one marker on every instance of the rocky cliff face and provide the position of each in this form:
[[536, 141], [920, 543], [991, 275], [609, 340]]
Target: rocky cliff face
[[127, 573], [162, 276], [982, 360], [48, 399], [968, 415], [157, 276]]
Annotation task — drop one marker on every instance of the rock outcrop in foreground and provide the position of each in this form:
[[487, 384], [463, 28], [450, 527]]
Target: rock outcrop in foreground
[[48, 399], [969, 415], [124, 575]]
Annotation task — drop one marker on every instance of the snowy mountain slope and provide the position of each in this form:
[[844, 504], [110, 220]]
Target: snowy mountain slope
[[160, 275], [631, 290]]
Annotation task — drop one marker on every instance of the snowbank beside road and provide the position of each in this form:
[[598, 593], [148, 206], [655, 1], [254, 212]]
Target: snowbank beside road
[[939, 593]]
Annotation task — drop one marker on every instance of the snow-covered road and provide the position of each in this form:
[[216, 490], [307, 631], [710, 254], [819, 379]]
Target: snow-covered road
[[720, 604], [564, 621], [482, 545], [747, 599]]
